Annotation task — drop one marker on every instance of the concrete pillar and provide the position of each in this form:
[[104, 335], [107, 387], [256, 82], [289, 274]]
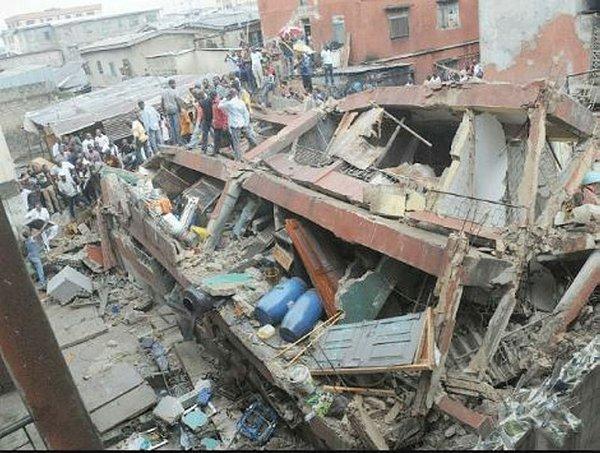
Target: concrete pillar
[[10, 189]]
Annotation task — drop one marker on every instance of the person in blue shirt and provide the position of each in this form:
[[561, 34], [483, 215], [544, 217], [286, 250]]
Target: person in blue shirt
[[34, 256], [306, 71]]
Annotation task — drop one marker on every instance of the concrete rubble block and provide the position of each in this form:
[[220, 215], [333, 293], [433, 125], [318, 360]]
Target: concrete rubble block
[[225, 284], [68, 284], [415, 201], [587, 214], [168, 409], [388, 201]]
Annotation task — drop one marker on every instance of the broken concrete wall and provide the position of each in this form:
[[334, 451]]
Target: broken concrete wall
[[547, 39], [479, 169]]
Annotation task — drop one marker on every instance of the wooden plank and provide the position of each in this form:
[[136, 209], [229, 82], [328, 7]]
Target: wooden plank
[[364, 426], [359, 391], [283, 257], [404, 126], [404, 368], [128, 406]]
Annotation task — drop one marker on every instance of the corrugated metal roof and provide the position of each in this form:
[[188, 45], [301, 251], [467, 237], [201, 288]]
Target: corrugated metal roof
[[226, 19], [370, 344], [121, 99]]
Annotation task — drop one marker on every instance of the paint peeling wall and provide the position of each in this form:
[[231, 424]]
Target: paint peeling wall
[[523, 41]]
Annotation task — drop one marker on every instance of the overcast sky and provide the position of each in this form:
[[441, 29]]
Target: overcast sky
[[11, 7]]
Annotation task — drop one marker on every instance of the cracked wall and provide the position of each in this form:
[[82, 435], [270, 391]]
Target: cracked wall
[[540, 39]]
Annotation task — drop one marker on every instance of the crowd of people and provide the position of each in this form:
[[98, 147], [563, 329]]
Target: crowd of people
[[217, 113], [471, 70]]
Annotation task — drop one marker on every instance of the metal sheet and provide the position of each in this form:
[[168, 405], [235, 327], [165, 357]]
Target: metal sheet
[[384, 343]]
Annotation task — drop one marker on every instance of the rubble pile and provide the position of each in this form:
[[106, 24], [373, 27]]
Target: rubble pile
[[410, 281]]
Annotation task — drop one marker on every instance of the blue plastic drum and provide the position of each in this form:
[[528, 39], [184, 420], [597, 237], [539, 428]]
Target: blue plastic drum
[[302, 316], [273, 306]]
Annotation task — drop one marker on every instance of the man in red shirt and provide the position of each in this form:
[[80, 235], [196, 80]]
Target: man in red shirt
[[219, 123]]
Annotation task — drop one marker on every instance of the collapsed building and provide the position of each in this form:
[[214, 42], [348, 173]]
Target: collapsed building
[[404, 267], [444, 231]]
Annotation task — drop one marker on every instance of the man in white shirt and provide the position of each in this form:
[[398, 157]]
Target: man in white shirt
[[257, 69], [327, 61], [69, 191], [239, 121], [48, 229], [63, 167], [478, 71], [87, 141], [151, 121], [101, 141], [57, 148]]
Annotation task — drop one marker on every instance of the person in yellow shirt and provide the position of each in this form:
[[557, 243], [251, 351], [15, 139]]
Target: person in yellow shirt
[[140, 139], [244, 95], [185, 124]]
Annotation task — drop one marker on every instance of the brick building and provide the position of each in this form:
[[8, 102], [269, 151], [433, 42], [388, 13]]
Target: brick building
[[421, 33]]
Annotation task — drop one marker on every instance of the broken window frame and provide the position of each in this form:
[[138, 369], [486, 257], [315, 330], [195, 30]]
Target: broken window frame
[[396, 17], [445, 13]]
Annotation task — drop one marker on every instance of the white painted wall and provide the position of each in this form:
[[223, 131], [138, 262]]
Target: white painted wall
[[479, 171], [136, 55], [193, 62]]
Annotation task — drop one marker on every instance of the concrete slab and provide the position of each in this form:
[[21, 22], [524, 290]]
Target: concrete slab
[[12, 410], [94, 356], [14, 441], [69, 283], [192, 361], [109, 385], [36, 439], [128, 406], [75, 326], [225, 284]]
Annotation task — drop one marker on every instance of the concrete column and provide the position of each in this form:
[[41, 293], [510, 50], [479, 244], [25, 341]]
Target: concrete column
[[10, 189]]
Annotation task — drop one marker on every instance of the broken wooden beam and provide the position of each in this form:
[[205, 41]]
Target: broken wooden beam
[[359, 391], [495, 330], [320, 261], [578, 294], [482, 424], [365, 427], [449, 289], [402, 125]]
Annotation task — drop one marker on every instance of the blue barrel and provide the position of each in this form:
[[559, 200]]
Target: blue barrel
[[273, 306], [302, 316]]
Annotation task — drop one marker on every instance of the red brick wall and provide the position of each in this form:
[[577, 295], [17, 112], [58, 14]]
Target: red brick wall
[[366, 21]]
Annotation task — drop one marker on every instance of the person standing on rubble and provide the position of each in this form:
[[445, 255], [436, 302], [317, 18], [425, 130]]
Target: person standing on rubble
[[243, 94], [151, 121], [101, 141], [140, 138], [87, 141], [327, 62], [238, 119], [257, 69], [171, 105], [34, 256], [58, 148], [219, 123], [306, 71], [69, 192], [47, 188]]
